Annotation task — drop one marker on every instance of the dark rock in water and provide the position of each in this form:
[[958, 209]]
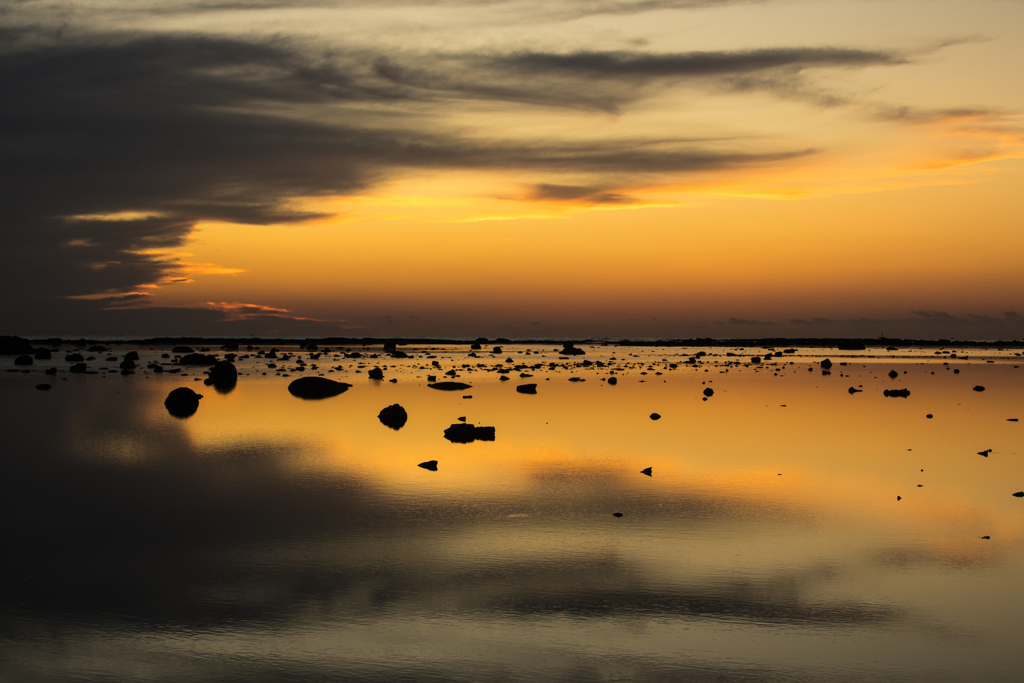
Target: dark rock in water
[[14, 346], [613, 380], [1019, 494], [1011, 419], [50, 371], [223, 374], [854, 390], [429, 465], [450, 386], [43, 387], [393, 416], [891, 348], [390, 345], [979, 388], [929, 416], [898, 393], [709, 392], [756, 360], [826, 364], [475, 347], [577, 379], [899, 497], [131, 355], [78, 368], [986, 538], [127, 364], [316, 387], [504, 378], [570, 350], [648, 471], [655, 416], [527, 388], [616, 514], [376, 373], [461, 419], [893, 374], [156, 368], [850, 345], [73, 358], [42, 354], [182, 402], [468, 433], [399, 354], [195, 359], [182, 350], [23, 360], [985, 452], [496, 349], [311, 347]]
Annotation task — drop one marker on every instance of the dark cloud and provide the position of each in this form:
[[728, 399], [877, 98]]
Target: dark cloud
[[589, 195]]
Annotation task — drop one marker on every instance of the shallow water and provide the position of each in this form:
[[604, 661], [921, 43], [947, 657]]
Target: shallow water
[[268, 537]]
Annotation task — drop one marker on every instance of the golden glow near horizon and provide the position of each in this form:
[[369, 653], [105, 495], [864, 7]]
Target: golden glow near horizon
[[589, 170]]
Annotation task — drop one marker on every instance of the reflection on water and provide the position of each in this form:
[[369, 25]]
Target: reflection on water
[[268, 537]]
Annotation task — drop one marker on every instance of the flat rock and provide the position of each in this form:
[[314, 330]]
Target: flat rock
[[649, 471], [43, 387], [316, 387], [527, 388], [655, 416], [429, 465], [182, 350], [897, 393], [393, 416], [450, 386], [24, 360], [182, 402], [979, 388], [468, 433], [194, 359]]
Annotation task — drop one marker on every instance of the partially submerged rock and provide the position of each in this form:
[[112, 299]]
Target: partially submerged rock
[[854, 390], [979, 388], [393, 416], [568, 349], [195, 359], [649, 471], [527, 388], [468, 433], [376, 373], [182, 350], [450, 386], [709, 392], [182, 402], [43, 387], [655, 416], [898, 393], [429, 465], [24, 360], [316, 387], [223, 375]]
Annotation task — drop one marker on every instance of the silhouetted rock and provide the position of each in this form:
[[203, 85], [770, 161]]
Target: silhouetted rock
[[42, 354], [504, 378], [182, 402], [756, 360], [182, 350], [223, 375], [893, 374], [854, 390], [14, 346], [196, 359], [979, 388], [655, 416], [450, 386], [850, 345], [429, 465], [131, 355], [709, 392], [127, 364], [568, 349], [826, 364], [316, 387], [73, 358], [496, 349], [393, 416], [527, 388], [985, 452], [399, 354], [1019, 494], [929, 416], [616, 514], [613, 380], [468, 433], [475, 347], [898, 393], [649, 471], [376, 373], [50, 371], [78, 368], [23, 360], [43, 387]]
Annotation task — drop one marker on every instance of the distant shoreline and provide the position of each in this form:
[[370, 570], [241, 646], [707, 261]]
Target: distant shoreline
[[842, 344]]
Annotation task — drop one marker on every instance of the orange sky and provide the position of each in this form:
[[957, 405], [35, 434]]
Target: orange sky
[[501, 168]]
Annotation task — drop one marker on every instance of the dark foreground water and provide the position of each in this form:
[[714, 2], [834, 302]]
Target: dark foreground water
[[268, 537]]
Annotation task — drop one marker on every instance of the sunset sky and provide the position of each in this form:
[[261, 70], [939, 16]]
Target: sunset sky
[[584, 168]]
